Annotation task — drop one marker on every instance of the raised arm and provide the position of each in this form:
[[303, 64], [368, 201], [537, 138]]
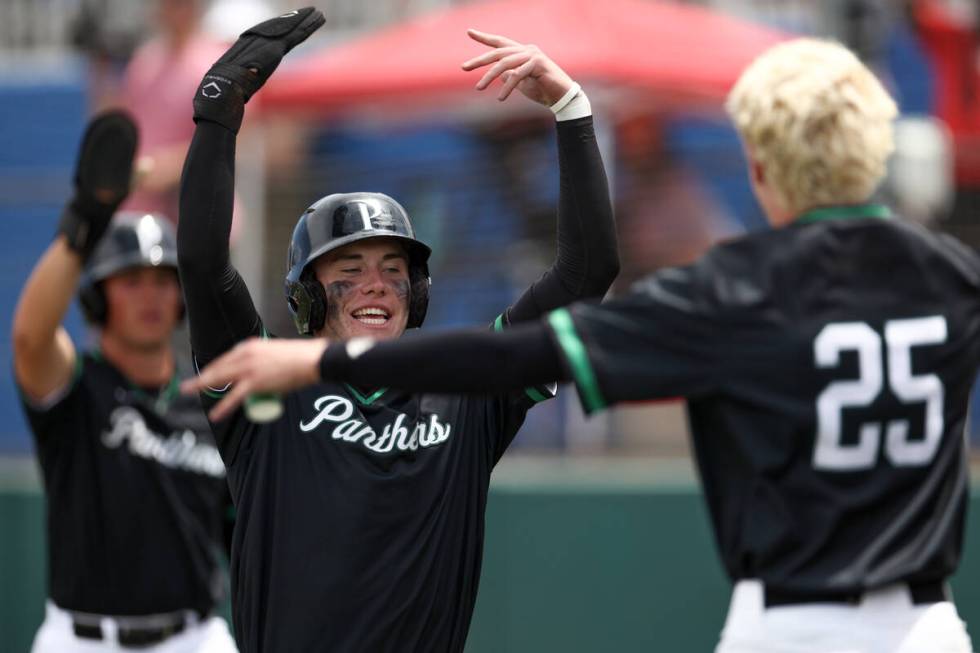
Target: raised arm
[[219, 307], [587, 258], [43, 352], [44, 355]]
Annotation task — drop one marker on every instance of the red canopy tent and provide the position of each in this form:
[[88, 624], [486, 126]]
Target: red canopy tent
[[682, 54]]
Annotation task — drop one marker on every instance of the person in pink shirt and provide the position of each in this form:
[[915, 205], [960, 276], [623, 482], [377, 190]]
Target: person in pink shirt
[[158, 82]]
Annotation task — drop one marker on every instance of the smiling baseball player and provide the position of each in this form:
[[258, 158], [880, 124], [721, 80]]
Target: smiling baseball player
[[361, 509]]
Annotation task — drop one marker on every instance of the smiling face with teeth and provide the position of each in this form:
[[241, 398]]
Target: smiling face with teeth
[[367, 288]]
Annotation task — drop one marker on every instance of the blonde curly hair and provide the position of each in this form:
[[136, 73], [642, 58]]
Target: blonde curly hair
[[817, 121]]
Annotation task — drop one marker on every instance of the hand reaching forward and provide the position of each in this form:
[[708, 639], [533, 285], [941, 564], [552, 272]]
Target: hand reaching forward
[[519, 66], [257, 366]]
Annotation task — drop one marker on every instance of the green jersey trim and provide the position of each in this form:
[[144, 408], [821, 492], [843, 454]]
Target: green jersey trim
[[219, 394], [536, 396], [845, 212], [574, 349], [162, 399], [214, 394], [365, 400], [76, 372], [533, 393], [498, 324]]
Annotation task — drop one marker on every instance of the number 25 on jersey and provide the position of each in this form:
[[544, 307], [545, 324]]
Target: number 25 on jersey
[[901, 336]]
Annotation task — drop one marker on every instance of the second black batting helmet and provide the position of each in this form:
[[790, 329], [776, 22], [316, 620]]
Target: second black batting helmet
[[133, 239], [340, 219]]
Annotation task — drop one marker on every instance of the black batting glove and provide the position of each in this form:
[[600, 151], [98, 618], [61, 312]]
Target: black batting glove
[[103, 175], [244, 68]]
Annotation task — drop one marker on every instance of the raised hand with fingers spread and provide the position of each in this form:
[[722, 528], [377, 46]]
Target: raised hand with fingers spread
[[519, 65]]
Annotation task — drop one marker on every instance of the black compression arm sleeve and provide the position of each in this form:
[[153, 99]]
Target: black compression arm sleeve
[[587, 261], [219, 308], [476, 361]]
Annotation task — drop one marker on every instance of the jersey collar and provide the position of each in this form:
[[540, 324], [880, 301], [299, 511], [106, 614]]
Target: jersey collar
[[160, 400], [844, 212], [368, 399], [163, 398]]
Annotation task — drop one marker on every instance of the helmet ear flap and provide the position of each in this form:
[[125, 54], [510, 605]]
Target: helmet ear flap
[[308, 303], [418, 276], [92, 299]]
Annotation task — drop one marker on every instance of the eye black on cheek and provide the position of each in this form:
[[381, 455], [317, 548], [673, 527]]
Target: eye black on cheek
[[402, 288], [335, 292]]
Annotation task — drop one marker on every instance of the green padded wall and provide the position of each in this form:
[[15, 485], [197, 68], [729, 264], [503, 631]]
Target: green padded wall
[[567, 569]]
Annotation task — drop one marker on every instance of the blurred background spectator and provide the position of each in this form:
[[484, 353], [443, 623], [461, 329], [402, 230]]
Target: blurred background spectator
[[950, 33], [151, 71], [162, 74]]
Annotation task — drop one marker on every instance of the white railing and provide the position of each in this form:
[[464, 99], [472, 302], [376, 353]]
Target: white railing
[[48, 26], [348, 15]]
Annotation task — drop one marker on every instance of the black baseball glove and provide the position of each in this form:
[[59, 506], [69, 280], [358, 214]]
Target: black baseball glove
[[103, 175], [244, 68]]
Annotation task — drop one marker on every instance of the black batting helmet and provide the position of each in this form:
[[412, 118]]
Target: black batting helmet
[[133, 239], [340, 219]]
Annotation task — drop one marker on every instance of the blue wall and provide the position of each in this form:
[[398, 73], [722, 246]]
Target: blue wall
[[40, 128]]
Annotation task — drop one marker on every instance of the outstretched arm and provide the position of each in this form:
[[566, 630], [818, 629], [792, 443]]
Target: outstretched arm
[[587, 259], [673, 335], [219, 307], [452, 362]]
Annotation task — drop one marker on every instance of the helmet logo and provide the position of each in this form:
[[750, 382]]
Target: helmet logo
[[375, 215], [156, 255], [149, 235]]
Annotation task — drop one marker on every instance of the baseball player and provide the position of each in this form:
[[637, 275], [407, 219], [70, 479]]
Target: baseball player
[[361, 509], [827, 365], [136, 490]]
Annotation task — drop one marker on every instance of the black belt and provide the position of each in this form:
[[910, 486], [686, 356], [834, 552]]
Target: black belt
[[927, 592], [132, 637]]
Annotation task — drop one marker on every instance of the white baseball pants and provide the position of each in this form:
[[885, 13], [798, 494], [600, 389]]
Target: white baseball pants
[[886, 621], [57, 635]]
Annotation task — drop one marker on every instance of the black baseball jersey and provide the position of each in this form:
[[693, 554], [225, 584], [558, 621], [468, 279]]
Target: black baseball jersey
[[360, 517], [136, 492], [827, 367]]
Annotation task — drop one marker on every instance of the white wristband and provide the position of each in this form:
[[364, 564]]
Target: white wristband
[[574, 104], [566, 98]]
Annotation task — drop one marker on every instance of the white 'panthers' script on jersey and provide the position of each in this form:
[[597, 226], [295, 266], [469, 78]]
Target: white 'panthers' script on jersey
[[180, 450], [396, 435]]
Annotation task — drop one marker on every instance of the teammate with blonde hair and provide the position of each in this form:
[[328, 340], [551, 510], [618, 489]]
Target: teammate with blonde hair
[[816, 124], [827, 365]]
